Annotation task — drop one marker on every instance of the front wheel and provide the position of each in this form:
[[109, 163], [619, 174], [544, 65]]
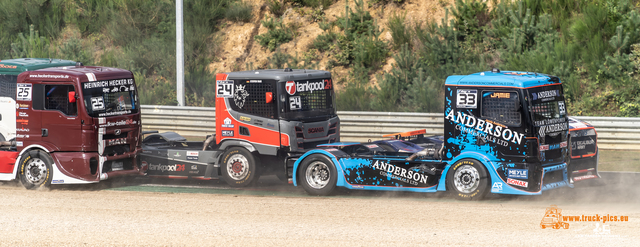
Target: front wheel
[[317, 175], [468, 180], [239, 167], [35, 170]]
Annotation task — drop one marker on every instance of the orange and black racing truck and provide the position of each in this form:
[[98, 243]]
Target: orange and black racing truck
[[265, 120]]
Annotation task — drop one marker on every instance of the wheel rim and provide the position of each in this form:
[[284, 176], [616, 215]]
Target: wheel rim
[[466, 179], [35, 171], [238, 167], [318, 175]]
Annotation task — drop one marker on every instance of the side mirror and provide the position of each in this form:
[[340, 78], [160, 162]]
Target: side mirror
[[269, 97], [72, 97]]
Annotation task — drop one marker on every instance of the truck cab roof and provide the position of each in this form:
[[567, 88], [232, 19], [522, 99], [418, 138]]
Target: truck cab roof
[[19, 65], [83, 73], [497, 78], [279, 74]]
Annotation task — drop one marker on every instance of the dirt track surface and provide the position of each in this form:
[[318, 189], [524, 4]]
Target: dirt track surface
[[76, 217]]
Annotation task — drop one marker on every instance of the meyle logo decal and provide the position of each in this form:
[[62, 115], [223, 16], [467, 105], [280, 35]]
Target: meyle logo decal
[[517, 182], [518, 173], [315, 130], [227, 133]]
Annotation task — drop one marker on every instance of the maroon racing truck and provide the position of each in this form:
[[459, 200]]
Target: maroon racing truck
[[74, 125]]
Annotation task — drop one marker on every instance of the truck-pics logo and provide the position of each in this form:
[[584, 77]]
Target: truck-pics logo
[[553, 218]]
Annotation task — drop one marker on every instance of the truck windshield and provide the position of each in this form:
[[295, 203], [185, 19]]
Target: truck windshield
[[110, 97], [547, 105], [308, 99]]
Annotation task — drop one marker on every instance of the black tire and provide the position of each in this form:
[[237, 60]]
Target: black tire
[[317, 175], [239, 168], [467, 179], [35, 170]]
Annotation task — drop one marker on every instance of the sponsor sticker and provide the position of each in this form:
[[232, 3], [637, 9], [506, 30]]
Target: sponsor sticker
[[309, 86], [167, 168], [372, 146], [191, 155], [246, 119], [518, 173], [57, 181], [23, 92], [227, 133], [22, 106], [227, 123], [295, 103], [497, 187], [290, 86], [19, 144], [545, 95], [224, 89], [517, 182], [254, 81], [467, 98], [584, 177]]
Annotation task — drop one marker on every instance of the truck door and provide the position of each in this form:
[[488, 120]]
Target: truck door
[[61, 125], [254, 109]]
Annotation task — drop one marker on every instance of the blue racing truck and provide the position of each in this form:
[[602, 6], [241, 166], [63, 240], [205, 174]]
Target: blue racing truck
[[504, 132]]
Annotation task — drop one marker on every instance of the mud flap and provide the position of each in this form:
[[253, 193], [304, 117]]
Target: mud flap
[[584, 168]]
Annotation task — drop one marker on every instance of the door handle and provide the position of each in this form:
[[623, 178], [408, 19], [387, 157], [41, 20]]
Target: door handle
[[45, 132]]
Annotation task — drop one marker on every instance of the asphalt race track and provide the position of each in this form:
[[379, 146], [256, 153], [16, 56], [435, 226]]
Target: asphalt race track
[[145, 212]]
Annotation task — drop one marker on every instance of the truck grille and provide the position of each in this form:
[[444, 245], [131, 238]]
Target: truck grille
[[116, 150]]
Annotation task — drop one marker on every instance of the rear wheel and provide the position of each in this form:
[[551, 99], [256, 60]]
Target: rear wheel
[[35, 170], [239, 167], [317, 175], [468, 180]]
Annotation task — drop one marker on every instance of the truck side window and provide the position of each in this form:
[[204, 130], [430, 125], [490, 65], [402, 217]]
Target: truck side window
[[57, 99], [502, 106], [250, 98]]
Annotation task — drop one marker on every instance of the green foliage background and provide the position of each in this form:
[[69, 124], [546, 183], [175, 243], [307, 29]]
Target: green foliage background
[[592, 45]]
